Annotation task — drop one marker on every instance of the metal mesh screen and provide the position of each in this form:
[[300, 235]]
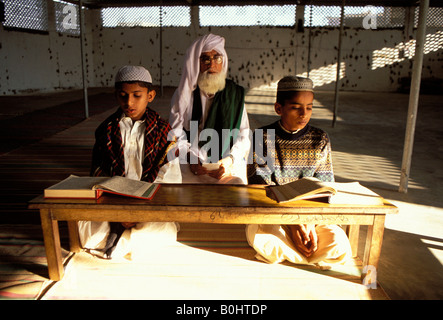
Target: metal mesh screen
[[354, 16], [174, 16], [375, 17], [378, 17], [322, 16], [433, 19], [26, 14], [67, 18], [283, 15]]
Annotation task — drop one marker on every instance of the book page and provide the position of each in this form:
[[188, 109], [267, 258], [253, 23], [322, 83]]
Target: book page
[[74, 187], [300, 188], [77, 183], [285, 192], [306, 185], [354, 193], [126, 186]]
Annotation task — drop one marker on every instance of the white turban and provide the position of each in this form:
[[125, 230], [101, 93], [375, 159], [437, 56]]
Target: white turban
[[182, 100]]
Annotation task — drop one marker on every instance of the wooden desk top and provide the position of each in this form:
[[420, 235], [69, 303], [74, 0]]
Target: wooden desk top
[[201, 197]]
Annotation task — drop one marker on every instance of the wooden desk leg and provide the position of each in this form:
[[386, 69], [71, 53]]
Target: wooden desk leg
[[51, 238], [374, 242], [74, 238], [352, 232]]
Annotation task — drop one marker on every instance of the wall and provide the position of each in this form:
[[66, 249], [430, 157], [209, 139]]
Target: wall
[[257, 56], [254, 59], [372, 60], [41, 61]]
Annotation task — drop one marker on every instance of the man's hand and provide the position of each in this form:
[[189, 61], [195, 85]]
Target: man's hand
[[223, 170], [198, 169], [305, 238]]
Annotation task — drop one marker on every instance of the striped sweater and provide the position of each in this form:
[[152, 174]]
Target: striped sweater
[[289, 157]]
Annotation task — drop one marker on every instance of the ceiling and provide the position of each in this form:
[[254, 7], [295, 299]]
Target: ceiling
[[132, 3]]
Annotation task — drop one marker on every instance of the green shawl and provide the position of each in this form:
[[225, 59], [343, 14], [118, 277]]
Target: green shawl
[[225, 113]]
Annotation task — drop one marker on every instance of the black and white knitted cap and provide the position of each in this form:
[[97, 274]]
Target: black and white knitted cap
[[133, 73], [294, 83]]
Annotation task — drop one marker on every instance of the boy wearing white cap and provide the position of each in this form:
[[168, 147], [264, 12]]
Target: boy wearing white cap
[[300, 150], [115, 151], [132, 142]]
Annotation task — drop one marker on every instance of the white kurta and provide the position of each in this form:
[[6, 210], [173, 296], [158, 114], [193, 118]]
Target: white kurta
[[139, 242]]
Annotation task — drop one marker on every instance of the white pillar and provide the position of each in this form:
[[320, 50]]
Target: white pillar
[[82, 52], [337, 79], [413, 96]]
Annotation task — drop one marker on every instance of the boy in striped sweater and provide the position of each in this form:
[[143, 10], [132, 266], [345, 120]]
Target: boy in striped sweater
[[287, 150]]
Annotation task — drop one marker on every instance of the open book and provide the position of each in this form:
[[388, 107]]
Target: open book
[[333, 192], [93, 188]]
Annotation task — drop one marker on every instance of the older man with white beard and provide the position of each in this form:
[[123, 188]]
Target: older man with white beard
[[209, 117]]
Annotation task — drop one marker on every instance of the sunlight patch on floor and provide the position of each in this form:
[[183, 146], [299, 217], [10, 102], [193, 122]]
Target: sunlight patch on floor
[[368, 168]]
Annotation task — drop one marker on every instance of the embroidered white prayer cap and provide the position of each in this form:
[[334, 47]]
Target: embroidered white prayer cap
[[294, 83], [133, 73]]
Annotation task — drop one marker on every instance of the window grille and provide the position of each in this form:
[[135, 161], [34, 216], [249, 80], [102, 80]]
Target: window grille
[[322, 16], [171, 16], [433, 19], [26, 14], [67, 18], [384, 17], [176, 16], [278, 15], [355, 16]]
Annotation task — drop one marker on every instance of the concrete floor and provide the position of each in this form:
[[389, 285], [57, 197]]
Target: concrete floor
[[367, 143]]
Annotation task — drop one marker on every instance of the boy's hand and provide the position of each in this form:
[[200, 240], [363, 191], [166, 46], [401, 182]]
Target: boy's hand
[[305, 238]]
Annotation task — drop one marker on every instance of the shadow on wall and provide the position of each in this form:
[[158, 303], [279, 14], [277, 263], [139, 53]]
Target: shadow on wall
[[375, 64]]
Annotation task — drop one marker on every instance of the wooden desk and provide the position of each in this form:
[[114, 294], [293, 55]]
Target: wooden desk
[[206, 204]]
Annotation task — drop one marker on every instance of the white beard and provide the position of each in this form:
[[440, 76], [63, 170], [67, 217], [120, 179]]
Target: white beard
[[211, 83]]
